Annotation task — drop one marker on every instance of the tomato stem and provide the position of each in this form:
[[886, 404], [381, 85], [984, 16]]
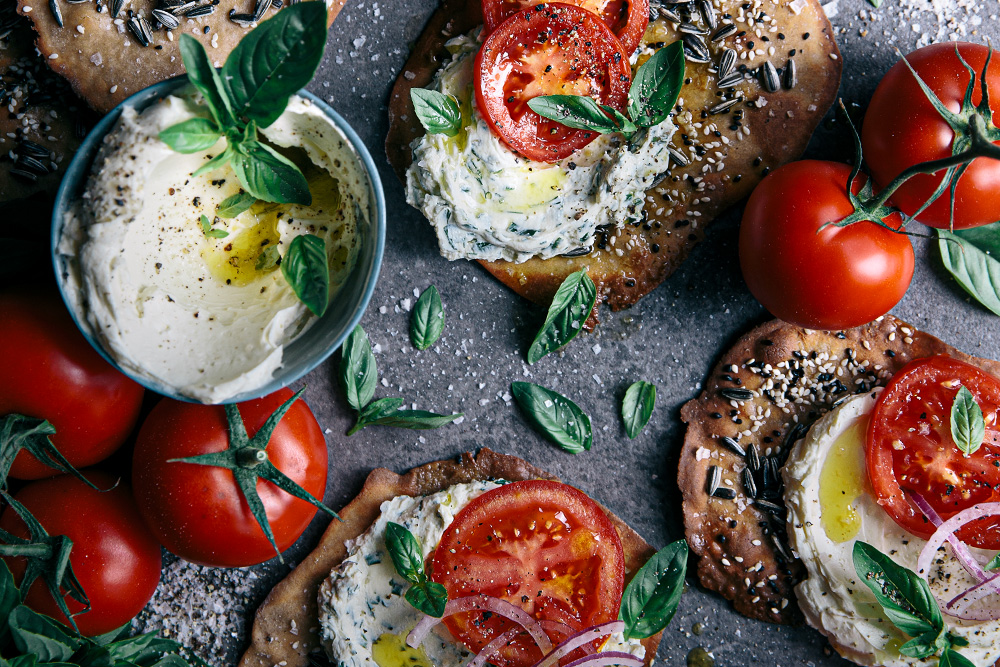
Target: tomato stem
[[28, 550], [251, 457]]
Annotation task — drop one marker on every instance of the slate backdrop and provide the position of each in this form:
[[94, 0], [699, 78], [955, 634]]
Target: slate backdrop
[[671, 338]]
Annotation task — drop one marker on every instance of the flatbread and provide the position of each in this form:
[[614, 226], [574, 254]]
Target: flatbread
[[284, 629], [105, 62], [735, 540], [724, 167]]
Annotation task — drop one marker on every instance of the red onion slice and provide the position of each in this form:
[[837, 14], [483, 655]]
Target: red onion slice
[[494, 647], [562, 630], [607, 659], [959, 605], [482, 603], [958, 547], [581, 638]]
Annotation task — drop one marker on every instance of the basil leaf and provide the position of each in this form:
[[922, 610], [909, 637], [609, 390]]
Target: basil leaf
[[191, 136], [216, 162], [994, 563], [875, 3], [205, 78], [377, 410], [986, 238], [427, 322], [558, 418], [41, 636], [570, 308], [437, 112], [233, 206], [109, 637], [307, 270], [141, 648], [905, 597], [638, 407], [268, 259], [10, 597], [358, 373], [405, 552], [952, 658], [968, 429], [420, 420], [275, 60], [576, 111], [625, 126], [656, 86], [268, 175], [429, 597], [976, 270], [924, 646], [206, 228], [651, 598]]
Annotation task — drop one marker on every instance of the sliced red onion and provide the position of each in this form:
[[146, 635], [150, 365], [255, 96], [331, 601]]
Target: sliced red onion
[[494, 647], [563, 630], [482, 603], [959, 606], [581, 638], [607, 659], [958, 547]]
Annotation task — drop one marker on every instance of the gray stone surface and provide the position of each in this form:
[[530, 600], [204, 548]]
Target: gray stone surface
[[671, 338]]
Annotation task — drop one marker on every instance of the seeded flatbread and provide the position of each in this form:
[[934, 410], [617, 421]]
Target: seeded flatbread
[[765, 392], [284, 629], [728, 151], [104, 58]]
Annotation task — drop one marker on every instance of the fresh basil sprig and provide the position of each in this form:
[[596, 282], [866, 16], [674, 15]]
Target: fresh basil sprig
[[436, 111], [570, 308], [994, 563], [637, 407], [209, 231], [908, 602], [968, 429], [651, 98], [236, 204], [358, 377], [427, 321], [425, 595], [271, 63], [559, 419], [972, 257], [306, 269], [651, 598]]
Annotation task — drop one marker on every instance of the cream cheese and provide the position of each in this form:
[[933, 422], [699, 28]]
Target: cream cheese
[[174, 306]]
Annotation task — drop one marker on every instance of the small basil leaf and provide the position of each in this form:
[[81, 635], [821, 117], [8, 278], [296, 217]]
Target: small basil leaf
[[657, 85], [379, 409], [216, 162], [275, 60], [952, 658], [625, 126], [404, 549], [968, 429], [905, 597], [205, 224], [358, 373], [41, 636], [427, 321], [306, 268], [576, 111], [570, 308], [637, 407], [207, 230], [429, 597], [994, 563], [268, 259], [558, 418], [233, 206], [437, 112], [922, 646], [651, 598], [191, 136], [420, 420], [268, 175], [976, 270], [205, 78]]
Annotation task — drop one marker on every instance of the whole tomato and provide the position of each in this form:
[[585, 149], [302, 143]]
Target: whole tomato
[[198, 511], [114, 556], [829, 278], [902, 129], [50, 372]]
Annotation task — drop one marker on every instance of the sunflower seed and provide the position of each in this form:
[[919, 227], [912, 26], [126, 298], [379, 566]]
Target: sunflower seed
[[770, 508], [580, 252], [654, 13], [749, 485], [769, 77], [56, 12], [670, 15], [723, 107], [782, 550], [259, 8], [166, 19], [753, 458], [276, 4], [736, 394], [707, 14], [677, 157], [724, 32], [116, 7], [691, 29], [731, 80], [732, 445], [791, 75], [76, 2], [294, 2], [179, 10], [31, 164], [695, 49], [727, 61], [27, 147], [725, 493], [714, 479], [26, 175], [203, 10], [243, 20], [793, 436], [140, 29]]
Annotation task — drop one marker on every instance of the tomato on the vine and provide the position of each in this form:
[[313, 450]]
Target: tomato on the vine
[[198, 511], [114, 557], [50, 372], [902, 129], [814, 276], [549, 49]]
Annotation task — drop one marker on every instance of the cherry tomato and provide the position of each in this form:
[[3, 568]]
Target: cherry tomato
[[816, 277], [902, 129], [541, 545], [910, 448], [549, 49], [628, 20], [114, 557], [51, 372], [197, 511]]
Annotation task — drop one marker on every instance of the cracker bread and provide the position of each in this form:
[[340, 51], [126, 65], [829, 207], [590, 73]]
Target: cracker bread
[[105, 62], [779, 125], [722, 531], [293, 601]]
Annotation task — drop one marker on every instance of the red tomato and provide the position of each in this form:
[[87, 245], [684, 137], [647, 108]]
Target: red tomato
[[114, 557], [550, 49], [628, 20], [910, 448], [197, 511], [541, 545], [902, 129], [834, 278], [51, 372]]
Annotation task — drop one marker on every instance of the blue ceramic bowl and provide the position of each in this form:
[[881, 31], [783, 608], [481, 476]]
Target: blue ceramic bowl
[[322, 338]]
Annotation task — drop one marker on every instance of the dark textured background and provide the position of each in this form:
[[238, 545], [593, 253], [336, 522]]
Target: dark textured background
[[671, 338]]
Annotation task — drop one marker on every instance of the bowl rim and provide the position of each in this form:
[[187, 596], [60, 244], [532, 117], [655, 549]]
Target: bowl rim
[[78, 170]]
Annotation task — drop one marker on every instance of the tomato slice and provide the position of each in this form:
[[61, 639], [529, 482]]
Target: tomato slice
[[549, 49], [628, 20], [910, 448], [541, 545]]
